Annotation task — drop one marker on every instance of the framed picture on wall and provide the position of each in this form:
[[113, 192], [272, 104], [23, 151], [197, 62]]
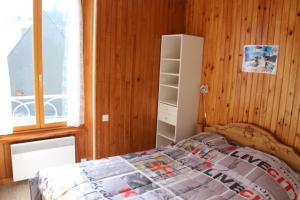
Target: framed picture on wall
[[260, 58]]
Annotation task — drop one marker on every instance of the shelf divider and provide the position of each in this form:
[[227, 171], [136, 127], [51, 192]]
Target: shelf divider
[[174, 86], [171, 59], [166, 137]]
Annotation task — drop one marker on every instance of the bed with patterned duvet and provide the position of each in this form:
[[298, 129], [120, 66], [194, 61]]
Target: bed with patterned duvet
[[205, 166]]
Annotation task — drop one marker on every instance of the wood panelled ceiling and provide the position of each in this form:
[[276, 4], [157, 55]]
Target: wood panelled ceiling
[[270, 101], [127, 64]]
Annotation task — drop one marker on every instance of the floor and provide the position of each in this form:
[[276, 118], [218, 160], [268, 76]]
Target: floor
[[16, 191]]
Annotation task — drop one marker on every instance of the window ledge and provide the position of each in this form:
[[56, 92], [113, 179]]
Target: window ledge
[[38, 134]]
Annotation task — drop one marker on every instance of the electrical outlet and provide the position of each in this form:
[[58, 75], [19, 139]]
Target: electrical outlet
[[105, 118], [204, 89]]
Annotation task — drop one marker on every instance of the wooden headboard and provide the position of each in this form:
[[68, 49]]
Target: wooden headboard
[[258, 138]]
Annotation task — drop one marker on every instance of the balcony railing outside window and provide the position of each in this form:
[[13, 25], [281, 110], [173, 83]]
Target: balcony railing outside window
[[23, 111]]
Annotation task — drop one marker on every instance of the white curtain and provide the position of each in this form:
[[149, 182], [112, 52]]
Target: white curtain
[[74, 64], [6, 125]]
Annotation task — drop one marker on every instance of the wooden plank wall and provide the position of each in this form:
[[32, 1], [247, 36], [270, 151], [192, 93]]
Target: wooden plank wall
[[88, 35], [5, 164], [270, 101], [127, 64]]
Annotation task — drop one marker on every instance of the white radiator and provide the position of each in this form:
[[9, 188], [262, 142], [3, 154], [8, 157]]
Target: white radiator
[[28, 158]]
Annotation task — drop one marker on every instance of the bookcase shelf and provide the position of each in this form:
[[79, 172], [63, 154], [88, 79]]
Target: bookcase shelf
[[178, 99], [170, 85], [170, 74], [171, 47], [169, 81], [166, 130], [162, 141], [171, 102], [170, 66], [171, 59]]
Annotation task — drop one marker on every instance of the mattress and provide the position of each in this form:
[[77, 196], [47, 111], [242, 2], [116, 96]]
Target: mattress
[[205, 166]]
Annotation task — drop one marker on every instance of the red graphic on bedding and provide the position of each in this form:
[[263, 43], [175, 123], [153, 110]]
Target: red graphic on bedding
[[161, 169], [127, 192], [283, 182]]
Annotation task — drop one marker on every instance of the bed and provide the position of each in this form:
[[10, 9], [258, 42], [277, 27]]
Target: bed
[[223, 162]]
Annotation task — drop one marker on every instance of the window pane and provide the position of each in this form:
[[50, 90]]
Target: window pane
[[54, 67], [16, 21]]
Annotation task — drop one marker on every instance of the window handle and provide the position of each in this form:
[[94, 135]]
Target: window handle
[[41, 80]]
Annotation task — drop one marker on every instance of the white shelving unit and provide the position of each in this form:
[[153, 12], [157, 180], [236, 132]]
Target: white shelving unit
[[179, 84]]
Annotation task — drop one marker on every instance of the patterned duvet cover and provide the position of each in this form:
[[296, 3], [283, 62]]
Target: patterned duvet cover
[[205, 166]]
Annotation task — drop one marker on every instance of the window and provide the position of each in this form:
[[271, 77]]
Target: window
[[37, 46], [54, 70], [17, 48]]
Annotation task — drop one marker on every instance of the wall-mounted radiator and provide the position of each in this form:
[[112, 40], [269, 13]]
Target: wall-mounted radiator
[[28, 158]]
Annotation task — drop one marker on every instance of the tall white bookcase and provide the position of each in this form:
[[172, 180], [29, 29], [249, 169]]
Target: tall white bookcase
[[179, 88]]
